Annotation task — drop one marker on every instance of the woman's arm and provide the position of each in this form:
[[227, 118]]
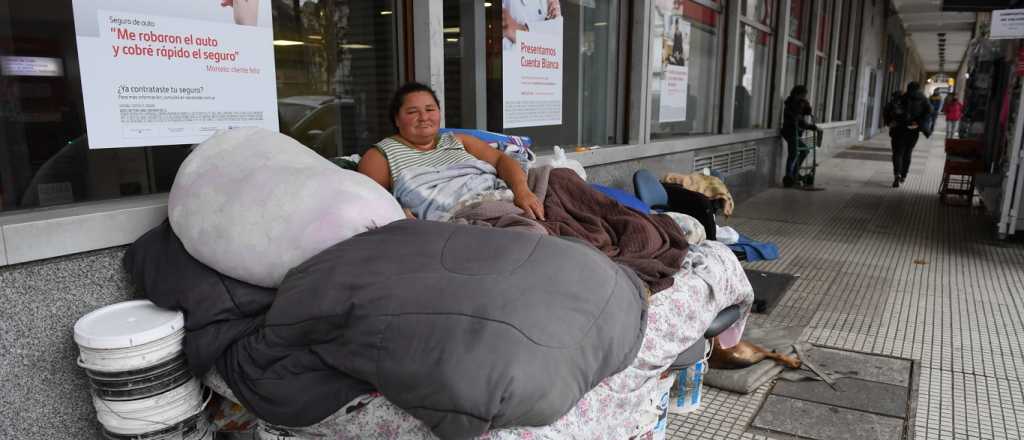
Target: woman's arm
[[375, 166], [509, 171]]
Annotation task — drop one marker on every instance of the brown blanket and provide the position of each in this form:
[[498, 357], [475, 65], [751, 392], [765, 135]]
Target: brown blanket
[[653, 246]]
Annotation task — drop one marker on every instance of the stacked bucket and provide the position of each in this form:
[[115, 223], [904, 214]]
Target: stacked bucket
[[141, 386]]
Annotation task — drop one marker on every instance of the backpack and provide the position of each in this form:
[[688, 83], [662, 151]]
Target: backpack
[[896, 110]]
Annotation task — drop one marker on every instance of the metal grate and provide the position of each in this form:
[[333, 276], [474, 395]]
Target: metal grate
[[844, 133], [728, 163]]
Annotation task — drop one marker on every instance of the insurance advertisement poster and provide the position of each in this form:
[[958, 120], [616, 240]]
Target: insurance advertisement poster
[[675, 71], [157, 72], [531, 63]]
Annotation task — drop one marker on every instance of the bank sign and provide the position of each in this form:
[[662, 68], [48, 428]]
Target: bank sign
[[156, 72]]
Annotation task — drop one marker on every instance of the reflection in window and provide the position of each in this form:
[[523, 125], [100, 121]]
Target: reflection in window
[[336, 63], [796, 19], [335, 81], [794, 63], [761, 11], [839, 89], [820, 96], [702, 60], [752, 86]]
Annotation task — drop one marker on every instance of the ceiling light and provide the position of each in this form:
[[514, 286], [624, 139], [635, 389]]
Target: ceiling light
[[287, 43], [601, 23], [452, 40], [385, 12], [314, 37], [451, 30], [487, 4], [356, 46]]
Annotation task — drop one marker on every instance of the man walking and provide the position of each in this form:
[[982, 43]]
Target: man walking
[[906, 116]]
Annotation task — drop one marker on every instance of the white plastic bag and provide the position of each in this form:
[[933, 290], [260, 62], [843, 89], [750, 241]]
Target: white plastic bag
[[726, 235], [560, 161], [692, 229]]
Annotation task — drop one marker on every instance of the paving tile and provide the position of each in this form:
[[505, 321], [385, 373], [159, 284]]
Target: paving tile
[[892, 272], [862, 395], [862, 366], [823, 422]]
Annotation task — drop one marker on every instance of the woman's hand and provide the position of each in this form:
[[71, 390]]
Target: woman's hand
[[554, 9], [509, 25], [528, 202]]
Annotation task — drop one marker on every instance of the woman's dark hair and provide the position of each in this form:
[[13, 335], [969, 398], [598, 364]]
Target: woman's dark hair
[[798, 91], [398, 99], [913, 86]]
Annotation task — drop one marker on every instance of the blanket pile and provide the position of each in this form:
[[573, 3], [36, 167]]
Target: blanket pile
[[467, 329]]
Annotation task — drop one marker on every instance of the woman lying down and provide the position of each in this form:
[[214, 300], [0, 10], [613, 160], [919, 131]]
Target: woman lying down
[[430, 173], [460, 179]]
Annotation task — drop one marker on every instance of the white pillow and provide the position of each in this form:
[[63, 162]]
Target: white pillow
[[253, 203]]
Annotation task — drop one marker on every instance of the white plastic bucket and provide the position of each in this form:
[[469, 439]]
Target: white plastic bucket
[[151, 414], [688, 387], [660, 429], [128, 336], [196, 427], [140, 384]]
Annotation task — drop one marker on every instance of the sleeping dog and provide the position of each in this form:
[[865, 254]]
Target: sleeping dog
[[745, 354]]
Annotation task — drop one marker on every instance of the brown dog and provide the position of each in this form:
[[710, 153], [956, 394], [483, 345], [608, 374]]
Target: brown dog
[[745, 354]]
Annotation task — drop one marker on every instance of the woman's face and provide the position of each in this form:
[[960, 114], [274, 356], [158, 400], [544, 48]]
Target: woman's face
[[419, 116]]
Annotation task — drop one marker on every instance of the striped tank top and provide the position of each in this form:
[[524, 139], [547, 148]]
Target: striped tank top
[[400, 157]]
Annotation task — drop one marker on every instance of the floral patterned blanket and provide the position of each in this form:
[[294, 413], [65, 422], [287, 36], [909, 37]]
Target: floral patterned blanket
[[710, 280]]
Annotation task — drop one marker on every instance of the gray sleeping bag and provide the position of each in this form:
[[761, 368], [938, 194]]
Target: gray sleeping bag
[[466, 328]]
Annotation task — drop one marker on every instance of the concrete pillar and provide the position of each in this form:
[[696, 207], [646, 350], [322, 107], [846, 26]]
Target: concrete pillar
[[639, 75]]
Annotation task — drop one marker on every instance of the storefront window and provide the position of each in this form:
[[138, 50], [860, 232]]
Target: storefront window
[[838, 92], [796, 19], [686, 65], [336, 65], [795, 46], [821, 95], [824, 26], [856, 28], [333, 89], [589, 67], [752, 79], [794, 64]]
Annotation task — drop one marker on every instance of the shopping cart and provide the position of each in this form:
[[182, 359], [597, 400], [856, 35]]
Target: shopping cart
[[811, 141]]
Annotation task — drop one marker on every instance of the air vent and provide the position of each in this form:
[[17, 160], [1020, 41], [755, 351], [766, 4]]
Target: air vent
[[729, 163]]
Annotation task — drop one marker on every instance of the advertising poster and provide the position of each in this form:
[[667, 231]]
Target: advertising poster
[[162, 73], [531, 63], [675, 71]]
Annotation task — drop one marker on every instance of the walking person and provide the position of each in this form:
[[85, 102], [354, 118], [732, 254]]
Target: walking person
[[954, 111], [907, 116], [794, 113], [936, 102]]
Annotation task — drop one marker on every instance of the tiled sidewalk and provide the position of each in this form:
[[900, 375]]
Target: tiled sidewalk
[[892, 272]]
